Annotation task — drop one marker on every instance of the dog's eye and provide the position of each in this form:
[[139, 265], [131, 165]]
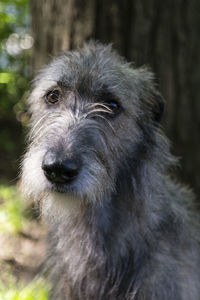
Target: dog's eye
[[113, 106], [52, 97]]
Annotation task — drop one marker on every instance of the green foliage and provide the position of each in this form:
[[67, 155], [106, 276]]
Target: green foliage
[[15, 45], [36, 290], [14, 26], [11, 210]]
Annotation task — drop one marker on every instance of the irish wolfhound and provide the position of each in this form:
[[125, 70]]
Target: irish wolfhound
[[119, 227]]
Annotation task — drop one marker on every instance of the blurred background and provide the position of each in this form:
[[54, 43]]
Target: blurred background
[[161, 34]]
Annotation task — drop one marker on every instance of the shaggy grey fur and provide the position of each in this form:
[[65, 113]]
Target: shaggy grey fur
[[122, 229]]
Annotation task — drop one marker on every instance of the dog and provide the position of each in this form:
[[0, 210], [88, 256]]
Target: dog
[[97, 165]]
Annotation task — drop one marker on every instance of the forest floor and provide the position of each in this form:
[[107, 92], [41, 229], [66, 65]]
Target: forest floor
[[23, 253], [22, 249]]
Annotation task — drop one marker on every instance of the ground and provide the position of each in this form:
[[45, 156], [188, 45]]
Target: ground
[[22, 248], [23, 253]]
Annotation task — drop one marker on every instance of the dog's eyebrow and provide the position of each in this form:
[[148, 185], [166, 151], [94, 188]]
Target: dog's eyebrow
[[43, 87], [64, 83], [106, 94]]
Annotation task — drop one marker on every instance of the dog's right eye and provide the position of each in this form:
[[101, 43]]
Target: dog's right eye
[[52, 97]]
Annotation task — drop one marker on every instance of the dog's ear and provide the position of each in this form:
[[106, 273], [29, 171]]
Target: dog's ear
[[158, 106], [150, 96]]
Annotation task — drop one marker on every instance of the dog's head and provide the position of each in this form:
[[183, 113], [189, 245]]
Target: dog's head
[[92, 116]]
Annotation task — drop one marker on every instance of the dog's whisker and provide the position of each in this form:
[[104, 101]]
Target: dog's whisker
[[98, 104], [38, 123], [94, 111], [106, 120]]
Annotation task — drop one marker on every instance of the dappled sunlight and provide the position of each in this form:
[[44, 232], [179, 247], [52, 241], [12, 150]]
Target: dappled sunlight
[[10, 289], [16, 43], [11, 210]]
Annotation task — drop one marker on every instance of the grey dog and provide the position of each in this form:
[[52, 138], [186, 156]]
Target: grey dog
[[97, 165]]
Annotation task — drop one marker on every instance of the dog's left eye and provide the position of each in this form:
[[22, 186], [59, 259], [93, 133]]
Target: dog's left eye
[[52, 97], [113, 106]]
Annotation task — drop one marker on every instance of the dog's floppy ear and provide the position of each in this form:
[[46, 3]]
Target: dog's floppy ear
[[158, 106]]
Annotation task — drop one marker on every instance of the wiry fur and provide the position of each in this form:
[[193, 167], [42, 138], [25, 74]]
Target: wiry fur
[[122, 230]]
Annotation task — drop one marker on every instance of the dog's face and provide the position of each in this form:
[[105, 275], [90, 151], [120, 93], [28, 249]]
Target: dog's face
[[91, 116]]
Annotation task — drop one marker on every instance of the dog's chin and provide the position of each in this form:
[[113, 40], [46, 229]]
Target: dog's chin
[[79, 189], [60, 202]]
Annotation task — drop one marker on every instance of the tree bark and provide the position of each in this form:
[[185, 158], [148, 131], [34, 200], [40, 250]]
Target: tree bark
[[161, 34]]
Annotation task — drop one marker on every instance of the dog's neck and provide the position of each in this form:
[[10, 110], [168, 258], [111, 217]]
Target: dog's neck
[[97, 242]]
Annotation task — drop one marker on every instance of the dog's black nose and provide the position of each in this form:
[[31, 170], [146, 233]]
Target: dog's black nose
[[63, 172]]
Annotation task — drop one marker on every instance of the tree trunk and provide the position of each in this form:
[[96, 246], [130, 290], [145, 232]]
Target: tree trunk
[[161, 34]]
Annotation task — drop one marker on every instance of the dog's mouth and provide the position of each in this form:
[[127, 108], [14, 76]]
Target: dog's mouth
[[64, 188]]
